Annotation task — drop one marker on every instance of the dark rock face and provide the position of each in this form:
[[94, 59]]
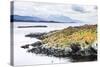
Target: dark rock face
[[88, 54], [75, 47]]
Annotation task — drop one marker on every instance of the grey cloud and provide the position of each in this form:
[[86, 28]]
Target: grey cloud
[[78, 8]]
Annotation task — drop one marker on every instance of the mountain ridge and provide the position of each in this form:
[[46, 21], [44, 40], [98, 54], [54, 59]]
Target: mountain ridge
[[51, 19]]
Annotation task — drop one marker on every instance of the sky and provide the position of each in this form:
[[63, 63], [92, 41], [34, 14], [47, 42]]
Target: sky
[[85, 13]]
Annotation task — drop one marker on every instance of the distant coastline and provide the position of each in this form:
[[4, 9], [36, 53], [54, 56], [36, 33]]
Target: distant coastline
[[40, 21], [43, 26]]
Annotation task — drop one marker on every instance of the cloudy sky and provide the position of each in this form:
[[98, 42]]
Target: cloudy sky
[[85, 13]]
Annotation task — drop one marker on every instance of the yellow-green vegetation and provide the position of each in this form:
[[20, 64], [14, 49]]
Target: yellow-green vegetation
[[84, 35]]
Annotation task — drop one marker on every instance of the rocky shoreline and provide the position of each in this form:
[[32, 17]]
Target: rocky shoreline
[[75, 52], [78, 43]]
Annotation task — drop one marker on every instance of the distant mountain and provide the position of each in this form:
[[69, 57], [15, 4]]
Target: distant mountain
[[51, 19], [25, 18], [62, 19]]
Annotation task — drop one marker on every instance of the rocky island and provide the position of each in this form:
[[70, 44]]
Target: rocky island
[[78, 43]]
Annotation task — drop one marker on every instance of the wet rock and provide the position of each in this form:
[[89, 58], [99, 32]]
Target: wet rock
[[25, 46], [36, 44]]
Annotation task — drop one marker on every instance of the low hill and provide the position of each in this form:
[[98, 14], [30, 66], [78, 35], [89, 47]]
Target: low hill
[[83, 35]]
